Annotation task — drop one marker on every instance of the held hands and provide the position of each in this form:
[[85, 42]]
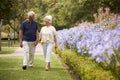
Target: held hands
[[35, 43]]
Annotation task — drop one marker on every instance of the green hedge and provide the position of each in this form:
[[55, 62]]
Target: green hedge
[[85, 67]]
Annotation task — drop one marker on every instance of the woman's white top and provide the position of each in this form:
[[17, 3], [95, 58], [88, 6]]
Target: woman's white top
[[47, 34]]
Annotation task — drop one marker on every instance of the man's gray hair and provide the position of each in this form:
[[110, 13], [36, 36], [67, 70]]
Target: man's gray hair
[[31, 13]]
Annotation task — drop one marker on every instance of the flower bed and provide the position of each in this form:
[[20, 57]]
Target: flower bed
[[97, 41]]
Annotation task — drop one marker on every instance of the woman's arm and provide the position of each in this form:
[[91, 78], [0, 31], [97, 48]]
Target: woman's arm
[[37, 38], [55, 40], [55, 37], [37, 35]]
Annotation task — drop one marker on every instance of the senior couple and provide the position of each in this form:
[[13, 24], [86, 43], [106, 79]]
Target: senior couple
[[29, 38]]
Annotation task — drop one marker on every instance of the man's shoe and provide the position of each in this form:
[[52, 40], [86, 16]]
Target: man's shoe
[[24, 67]]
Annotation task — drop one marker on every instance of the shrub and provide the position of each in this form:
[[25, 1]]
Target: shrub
[[86, 68]]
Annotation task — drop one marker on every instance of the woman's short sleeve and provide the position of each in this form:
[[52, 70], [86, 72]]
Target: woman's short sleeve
[[54, 31]]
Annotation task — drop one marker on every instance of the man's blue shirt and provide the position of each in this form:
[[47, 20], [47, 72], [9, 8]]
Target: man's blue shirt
[[29, 30]]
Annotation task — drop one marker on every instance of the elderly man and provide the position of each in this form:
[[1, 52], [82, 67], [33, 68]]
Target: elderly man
[[28, 38]]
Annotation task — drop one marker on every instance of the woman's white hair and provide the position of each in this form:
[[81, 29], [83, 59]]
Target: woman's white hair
[[31, 13], [49, 17]]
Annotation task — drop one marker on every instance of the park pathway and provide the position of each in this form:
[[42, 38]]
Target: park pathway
[[19, 51]]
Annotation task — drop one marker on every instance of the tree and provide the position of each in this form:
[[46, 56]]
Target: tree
[[65, 12], [5, 12], [0, 33]]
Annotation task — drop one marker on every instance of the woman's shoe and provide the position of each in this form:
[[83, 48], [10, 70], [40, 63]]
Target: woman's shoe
[[49, 65], [46, 68]]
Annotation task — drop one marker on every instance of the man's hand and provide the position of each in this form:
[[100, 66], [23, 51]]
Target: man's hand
[[21, 45], [20, 37]]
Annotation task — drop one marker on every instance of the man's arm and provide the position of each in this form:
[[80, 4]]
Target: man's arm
[[20, 37]]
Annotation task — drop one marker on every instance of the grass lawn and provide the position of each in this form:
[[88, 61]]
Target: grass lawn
[[11, 69], [5, 43], [8, 50]]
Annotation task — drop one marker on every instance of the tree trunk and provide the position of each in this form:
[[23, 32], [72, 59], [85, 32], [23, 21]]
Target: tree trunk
[[0, 34]]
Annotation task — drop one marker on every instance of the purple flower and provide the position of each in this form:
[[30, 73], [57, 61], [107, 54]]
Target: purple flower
[[96, 40]]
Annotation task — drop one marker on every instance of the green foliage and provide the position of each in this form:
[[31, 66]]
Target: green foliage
[[85, 67], [11, 69], [112, 4], [66, 13], [6, 9], [7, 29]]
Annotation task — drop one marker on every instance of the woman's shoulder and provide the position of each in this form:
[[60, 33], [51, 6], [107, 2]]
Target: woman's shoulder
[[52, 27], [44, 27]]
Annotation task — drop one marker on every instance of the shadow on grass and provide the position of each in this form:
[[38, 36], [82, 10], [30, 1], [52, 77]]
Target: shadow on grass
[[35, 73]]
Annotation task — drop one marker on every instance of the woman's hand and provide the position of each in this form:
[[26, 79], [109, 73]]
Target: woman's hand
[[56, 45]]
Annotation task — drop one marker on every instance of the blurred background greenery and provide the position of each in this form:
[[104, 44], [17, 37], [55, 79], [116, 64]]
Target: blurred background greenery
[[66, 13]]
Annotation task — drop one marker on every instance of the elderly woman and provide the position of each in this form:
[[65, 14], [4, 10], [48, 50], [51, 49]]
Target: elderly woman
[[48, 38]]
